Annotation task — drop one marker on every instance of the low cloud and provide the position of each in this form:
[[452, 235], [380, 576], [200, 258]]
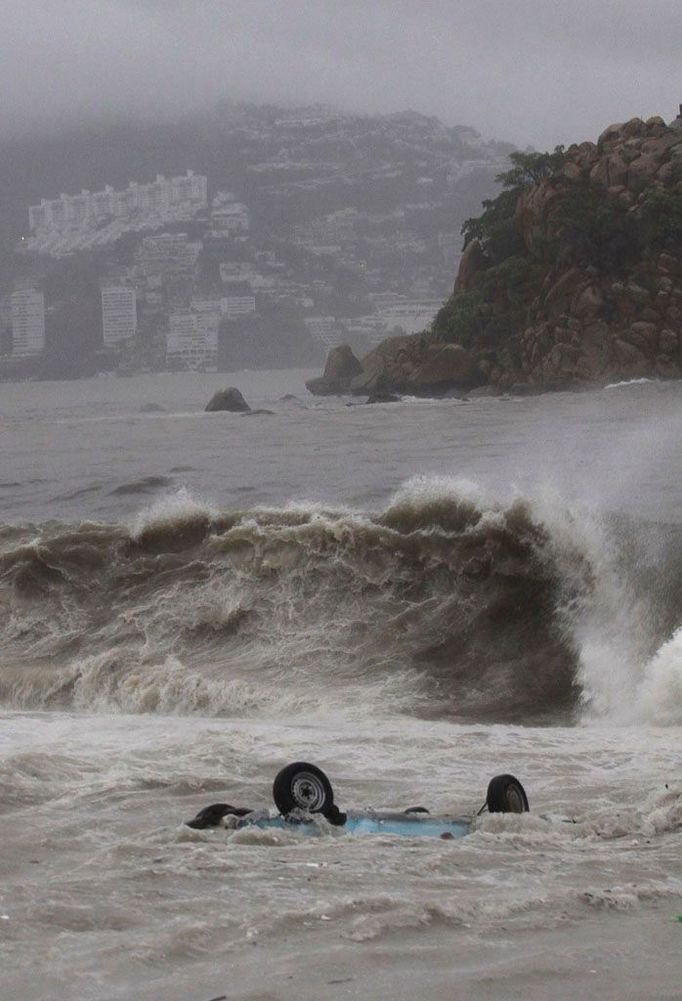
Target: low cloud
[[527, 71]]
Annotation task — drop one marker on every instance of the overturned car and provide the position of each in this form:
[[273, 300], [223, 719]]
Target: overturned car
[[302, 792]]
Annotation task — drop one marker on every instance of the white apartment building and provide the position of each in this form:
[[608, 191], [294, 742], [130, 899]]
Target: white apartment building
[[168, 254], [324, 329], [228, 215], [330, 231], [164, 197], [205, 306], [369, 328], [28, 323], [238, 271], [119, 314], [192, 340], [6, 315], [234, 306], [412, 315]]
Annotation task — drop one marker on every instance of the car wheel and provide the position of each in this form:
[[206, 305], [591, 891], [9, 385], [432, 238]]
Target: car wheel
[[506, 795], [302, 786]]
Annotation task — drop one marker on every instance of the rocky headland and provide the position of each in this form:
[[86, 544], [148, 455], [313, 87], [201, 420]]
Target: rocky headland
[[571, 277]]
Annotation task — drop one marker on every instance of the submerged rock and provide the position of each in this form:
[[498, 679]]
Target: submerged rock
[[228, 399]]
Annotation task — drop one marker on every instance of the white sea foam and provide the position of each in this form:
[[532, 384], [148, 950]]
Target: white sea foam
[[659, 694], [609, 615], [423, 491], [630, 382], [171, 510]]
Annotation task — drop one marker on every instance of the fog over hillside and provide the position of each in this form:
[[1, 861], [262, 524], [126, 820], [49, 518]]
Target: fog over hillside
[[530, 71], [114, 94], [301, 227]]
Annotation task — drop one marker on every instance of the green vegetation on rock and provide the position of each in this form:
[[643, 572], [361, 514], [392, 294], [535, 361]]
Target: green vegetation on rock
[[571, 274]]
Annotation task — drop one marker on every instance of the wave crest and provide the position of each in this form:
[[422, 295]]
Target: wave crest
[[446, 603]]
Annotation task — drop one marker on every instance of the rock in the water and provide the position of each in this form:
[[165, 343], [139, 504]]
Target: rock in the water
[[320, 387], [342, 366], [383, 398], [228, 399]]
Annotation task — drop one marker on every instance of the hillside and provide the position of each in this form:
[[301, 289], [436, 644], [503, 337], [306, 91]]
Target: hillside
[[572, 276], [357, 215]]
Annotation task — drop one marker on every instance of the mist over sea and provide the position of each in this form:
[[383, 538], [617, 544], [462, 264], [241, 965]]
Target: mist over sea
[[415, 596]]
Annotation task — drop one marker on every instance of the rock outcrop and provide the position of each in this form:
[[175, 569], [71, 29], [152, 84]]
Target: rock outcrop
[[341, 368], [228, 399], [571, 277], [412, 363], [587, 287], [599, 327]]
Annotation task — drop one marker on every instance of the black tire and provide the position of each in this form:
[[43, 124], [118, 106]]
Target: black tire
[[302, 786], [506, 795]]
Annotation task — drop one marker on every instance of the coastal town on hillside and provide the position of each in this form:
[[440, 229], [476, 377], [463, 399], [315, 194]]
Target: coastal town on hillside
[[343, 228]]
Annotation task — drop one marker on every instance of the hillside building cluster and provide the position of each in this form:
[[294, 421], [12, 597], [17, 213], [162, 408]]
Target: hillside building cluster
[[164, 197], [343, 229], [92, 220], [159, 288]]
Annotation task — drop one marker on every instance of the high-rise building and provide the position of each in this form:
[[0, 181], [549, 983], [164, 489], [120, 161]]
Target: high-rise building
[[192, 341], [325, 329], [28, 322], [234, 306], [229, 216], [119, 314]]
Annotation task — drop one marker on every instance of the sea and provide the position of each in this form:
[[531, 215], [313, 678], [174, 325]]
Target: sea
[[413, 596]]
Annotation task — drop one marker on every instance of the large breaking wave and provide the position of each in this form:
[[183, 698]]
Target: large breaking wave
[[445, 604]]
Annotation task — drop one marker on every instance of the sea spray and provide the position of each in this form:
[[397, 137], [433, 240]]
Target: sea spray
[[659, 696]]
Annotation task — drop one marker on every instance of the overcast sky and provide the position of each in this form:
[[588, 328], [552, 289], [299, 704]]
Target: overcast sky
[[530, 71]]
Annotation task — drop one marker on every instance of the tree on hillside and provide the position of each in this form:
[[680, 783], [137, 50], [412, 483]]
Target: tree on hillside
[[530, 168], [495, 227]]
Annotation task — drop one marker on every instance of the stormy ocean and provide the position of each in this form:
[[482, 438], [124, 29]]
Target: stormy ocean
[[414, 596]]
